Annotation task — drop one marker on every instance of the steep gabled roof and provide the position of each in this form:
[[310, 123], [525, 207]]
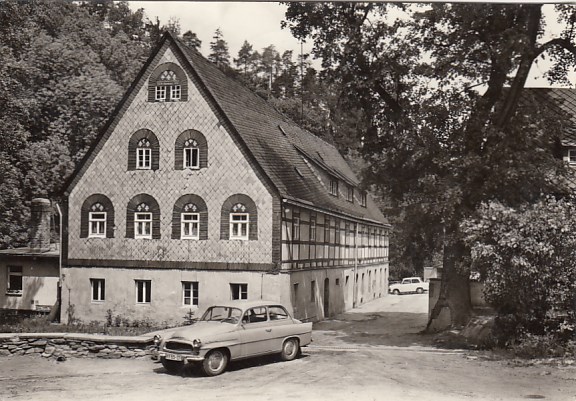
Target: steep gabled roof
[[280, 147]]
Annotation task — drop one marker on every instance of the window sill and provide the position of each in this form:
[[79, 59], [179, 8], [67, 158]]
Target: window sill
[[14, 293]]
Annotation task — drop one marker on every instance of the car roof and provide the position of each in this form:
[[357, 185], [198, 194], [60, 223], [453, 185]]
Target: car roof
[[247, 304]]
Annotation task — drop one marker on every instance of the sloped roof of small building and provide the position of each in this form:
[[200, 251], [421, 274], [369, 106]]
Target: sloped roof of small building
[[563, 102], [279, 145]]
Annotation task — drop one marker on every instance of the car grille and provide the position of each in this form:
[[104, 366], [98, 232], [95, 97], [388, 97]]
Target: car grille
[[178, 346]]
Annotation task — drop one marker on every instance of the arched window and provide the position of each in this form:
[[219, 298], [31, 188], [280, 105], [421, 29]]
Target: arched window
[[190, 218], [239, 218], [190, 151], [143, 151], [168, 83], [97, 217], [143, 218]]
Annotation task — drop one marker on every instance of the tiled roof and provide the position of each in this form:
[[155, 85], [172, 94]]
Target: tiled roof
[[278, 145], [563, 102]]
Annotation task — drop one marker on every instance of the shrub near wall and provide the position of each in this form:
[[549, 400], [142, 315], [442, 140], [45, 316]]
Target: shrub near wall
[[66, 345], [527, 258]]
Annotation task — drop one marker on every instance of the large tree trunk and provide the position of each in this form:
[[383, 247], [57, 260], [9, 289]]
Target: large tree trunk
[[454, 307]]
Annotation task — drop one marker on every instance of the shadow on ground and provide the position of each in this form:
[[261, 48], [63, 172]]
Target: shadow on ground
[[399, 329]]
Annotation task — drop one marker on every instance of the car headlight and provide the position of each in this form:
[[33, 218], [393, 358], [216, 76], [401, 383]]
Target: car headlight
[[196, 343]]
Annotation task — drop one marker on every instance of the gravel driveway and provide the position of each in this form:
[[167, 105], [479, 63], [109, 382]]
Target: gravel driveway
[[372, 353]]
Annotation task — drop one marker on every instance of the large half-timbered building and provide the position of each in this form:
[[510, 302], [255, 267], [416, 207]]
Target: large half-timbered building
[[198, 191]]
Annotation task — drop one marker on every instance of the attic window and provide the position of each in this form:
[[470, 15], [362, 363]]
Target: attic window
[[333, 188], [572, 156], [363, 199], [350, 193], [168, 83]]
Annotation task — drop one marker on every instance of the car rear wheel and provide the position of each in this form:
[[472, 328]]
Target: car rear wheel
[[419, 290], [215, 362], [290, 349], [396, 292], [172, 367]]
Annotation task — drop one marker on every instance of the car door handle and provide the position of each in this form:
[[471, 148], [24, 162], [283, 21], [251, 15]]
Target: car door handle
[[268, 330]]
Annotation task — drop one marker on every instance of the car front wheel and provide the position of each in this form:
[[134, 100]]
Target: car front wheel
[[215, 362], [396, 292], [290, 349], [172, 367]]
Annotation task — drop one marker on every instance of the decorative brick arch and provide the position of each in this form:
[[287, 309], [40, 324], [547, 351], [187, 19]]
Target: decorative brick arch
[[201, 209], [199, 139], [251, 209], [132, 208], [133, 144], [87, 207], [180, 79]]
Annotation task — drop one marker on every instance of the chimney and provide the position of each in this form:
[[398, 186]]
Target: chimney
[[41, 210]]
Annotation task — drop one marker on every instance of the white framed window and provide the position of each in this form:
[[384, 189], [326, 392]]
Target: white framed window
[[239, 291], [144, 154], [295, 228], [333, 187], [189, 293], [160, 93], [143, 225], [143, 291], [312, 230], [191, 154], [98, 287], [97, 224], [572, 156], [239, 226], [14, 281], [175, 93], [190, 226]]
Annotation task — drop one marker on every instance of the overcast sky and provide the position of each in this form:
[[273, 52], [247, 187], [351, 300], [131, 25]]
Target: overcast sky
[[257, 22]]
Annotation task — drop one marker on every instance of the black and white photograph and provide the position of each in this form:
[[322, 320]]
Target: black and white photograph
[[270, 201]]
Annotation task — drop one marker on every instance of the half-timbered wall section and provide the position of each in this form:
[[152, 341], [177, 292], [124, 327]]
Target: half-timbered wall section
[[313, 239]]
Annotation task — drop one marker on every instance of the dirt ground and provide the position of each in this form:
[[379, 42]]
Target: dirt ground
[[372, 353]]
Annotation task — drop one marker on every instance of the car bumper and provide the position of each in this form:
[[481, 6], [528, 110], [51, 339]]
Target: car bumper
[[180, 357]]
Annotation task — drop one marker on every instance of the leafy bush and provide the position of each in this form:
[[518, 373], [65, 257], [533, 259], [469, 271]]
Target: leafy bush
[[527, 260]]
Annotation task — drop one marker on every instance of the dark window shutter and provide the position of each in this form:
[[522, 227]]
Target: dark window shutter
[[156, 222], [110, 221], [176, 215], [130, 221], [204, 225], [179, 155]]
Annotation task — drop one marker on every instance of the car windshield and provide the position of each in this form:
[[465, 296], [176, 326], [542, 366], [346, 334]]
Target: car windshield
[[223, 314]]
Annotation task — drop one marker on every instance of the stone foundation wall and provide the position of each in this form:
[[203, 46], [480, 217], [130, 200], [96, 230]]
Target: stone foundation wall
[[64, 346]]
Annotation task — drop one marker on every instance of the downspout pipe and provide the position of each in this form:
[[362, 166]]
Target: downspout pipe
[[59, 292]]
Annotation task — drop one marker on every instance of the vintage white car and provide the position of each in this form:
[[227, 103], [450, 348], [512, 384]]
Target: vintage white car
[[231, 331], [409, 284]]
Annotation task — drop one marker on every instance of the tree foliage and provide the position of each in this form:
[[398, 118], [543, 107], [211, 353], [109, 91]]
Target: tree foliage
[[527, 259], [63, 69]]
